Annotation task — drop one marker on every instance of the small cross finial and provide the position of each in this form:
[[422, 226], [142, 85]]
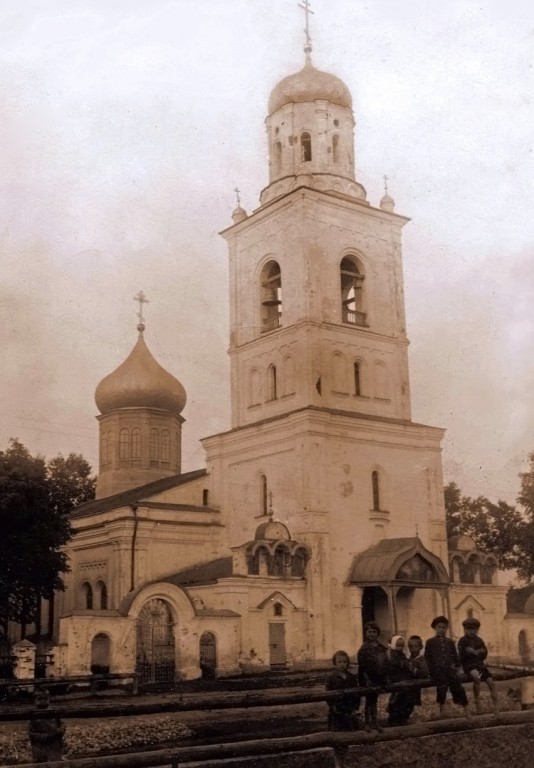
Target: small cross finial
[[237, 191], [270, 510], [386, 183], [142, 299], [307, 10], [417, 530]]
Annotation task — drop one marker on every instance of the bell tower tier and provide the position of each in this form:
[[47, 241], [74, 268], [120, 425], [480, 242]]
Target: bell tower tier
[[317, 309]]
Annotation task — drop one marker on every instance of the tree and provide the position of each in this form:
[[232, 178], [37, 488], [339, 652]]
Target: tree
[[496, 528], [35, 501]]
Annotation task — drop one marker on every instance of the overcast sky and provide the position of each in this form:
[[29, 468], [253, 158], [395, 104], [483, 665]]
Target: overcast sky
[[125, 126]]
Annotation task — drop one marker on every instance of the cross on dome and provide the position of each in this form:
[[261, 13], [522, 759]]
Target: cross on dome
[[142, 299], [307, 10]]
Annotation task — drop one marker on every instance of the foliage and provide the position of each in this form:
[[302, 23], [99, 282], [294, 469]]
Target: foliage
[[496, 528], [35, 501]]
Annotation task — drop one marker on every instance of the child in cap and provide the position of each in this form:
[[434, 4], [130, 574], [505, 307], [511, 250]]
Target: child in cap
[[372, 671], [473, 652], [444, 665], [342, 711]]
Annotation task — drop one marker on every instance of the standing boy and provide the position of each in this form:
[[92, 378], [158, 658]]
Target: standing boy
[[372, 671], [444, 665], [473, 652]]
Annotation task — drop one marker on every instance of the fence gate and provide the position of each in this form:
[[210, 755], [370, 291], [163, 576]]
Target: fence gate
[[155, 661], [208, 655]]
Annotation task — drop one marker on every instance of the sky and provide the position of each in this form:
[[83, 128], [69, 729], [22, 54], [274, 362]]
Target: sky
[[126, 125]]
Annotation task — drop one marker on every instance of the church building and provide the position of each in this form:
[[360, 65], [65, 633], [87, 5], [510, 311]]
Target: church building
[[322, 507]]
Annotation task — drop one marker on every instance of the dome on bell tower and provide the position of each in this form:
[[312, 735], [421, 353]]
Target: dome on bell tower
[[140, 382], [310, 84]]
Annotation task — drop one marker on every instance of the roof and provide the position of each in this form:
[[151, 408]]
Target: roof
[[195, 575], [136, 495], [398, 561]]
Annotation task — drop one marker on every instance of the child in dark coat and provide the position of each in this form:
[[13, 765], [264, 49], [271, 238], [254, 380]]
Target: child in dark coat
[[342, 711], [473, 653], [444, 666], [400, 704], [45, 733], [372, 671], [418, 665]]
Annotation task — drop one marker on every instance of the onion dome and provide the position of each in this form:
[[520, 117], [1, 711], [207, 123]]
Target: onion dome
[[310, 84], [387, 203], [140, 382], [239, 214]]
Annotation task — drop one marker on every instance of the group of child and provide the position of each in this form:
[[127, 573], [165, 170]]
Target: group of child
[[439, 660]]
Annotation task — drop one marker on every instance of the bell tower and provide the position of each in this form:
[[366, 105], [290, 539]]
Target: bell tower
[[321, 417], [316, 287]]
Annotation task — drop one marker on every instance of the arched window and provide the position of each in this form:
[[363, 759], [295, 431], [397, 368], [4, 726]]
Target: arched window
[[136, 443], [154, 444], [380, 380], [103, 594], [375, 482], [271, 375], [255, 387], [271, 296], [165, 445], [277, 157], [351, 292], [109, 451], [288, 375], [335, 148], [124, 444], [264, 496], [298, 562], [278, 609], [104, 456], [339, 372], [281, 561], [305, 147], [100, 654], [357, 379], [87, 593]]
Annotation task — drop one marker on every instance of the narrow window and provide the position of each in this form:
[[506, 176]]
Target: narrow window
[[88, 595], [165, 445], [278, 609], [351, 293], [124, 444], [154, 444], [376, 490], [271, 296], [264, 495], [205, 497], [277, 157], [357, 379], [272, 382], [136, 443], [335, 148], [305, 147], [110, 448], [103, 596], [104, 448]]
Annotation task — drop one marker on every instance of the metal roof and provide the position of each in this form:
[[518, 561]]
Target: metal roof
[[381, 564]]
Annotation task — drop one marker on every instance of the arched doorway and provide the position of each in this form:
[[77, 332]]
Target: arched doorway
[[100, 654], [208, 655], [155, 662]]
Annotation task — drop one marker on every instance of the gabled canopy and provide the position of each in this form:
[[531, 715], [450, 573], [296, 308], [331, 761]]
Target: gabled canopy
[[400, 562]]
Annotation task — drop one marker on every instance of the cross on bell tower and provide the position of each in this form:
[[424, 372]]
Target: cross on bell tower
[[307, 10]]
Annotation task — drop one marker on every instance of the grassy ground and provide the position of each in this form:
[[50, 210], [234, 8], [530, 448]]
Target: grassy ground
[[134, 733]]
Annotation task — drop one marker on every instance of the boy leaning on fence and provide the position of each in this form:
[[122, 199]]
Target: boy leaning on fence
[[45, 733]]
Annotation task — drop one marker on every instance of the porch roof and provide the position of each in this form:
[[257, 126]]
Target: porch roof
[[383, 564]]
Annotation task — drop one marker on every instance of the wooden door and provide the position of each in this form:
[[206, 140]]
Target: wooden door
[[277, 644]]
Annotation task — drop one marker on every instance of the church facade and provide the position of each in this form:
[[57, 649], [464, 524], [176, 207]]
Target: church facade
[[322, 507]]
